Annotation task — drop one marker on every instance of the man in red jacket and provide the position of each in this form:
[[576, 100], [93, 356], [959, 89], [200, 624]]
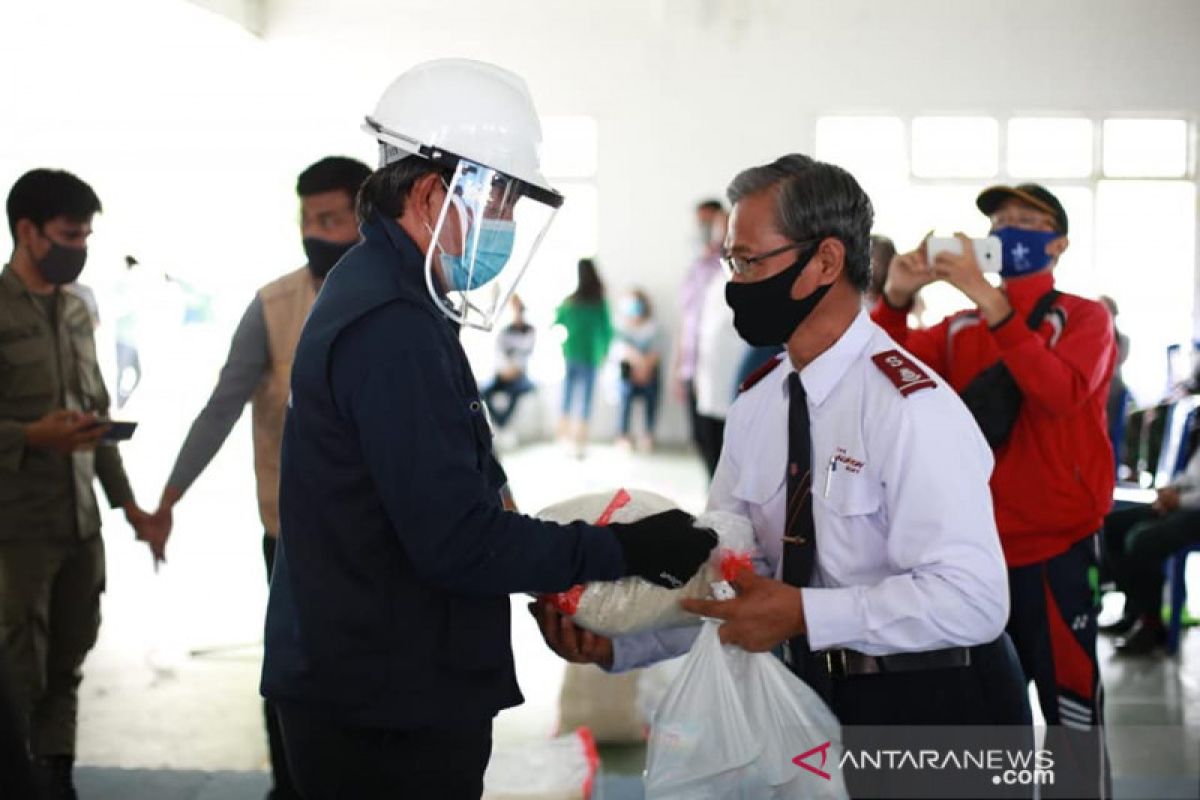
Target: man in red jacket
[[1033, 364]]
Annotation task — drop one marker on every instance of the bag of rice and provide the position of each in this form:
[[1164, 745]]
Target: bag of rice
[[633, 605]]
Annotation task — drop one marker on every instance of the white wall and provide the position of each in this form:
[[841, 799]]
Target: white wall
[[686, 92]]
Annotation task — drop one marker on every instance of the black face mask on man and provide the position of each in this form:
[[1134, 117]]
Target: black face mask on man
[[323, 254], [62, 264], [764, 312]]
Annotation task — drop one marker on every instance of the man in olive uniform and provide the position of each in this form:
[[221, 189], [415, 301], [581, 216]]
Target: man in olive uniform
[[52, 399]]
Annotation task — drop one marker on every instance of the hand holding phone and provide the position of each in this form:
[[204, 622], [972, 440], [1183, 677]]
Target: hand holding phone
[[988, 250], [117, 431]]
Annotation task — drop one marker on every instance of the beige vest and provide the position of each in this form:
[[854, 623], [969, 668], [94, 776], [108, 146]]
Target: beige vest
[[285, 303]]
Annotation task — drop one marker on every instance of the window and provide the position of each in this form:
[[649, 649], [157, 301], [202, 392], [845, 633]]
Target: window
[[1049, 148], [1145, 257], [1127, 185], [1145, 148], [955, 147]]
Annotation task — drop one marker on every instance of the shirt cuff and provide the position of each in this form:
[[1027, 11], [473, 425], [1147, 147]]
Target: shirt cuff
[[834, 617], [625, 654]]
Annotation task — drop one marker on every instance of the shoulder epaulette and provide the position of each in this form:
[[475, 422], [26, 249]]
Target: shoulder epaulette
[[760, 373], [903, 372]]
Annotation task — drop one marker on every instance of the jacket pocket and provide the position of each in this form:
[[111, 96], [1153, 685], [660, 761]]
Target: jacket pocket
[[27, 370]]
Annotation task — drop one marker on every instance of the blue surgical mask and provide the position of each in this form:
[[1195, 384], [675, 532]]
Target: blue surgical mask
[[632, 307], [492, 251], [1024, 250]]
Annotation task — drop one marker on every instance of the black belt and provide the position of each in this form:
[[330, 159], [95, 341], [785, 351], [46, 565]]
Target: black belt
[[845, 663]]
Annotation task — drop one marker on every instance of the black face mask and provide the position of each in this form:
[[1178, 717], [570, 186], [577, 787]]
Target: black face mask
[[764, 312], [323, 254], [62, 264]]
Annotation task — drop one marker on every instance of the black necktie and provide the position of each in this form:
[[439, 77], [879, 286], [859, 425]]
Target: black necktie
[[799, 531]]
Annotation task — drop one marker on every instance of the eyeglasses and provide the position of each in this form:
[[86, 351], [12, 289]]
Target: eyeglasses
[[745, 265]]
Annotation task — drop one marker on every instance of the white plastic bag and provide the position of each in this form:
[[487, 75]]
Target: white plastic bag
[[563, 768], [733, 726], [633, 605], [653, 682]]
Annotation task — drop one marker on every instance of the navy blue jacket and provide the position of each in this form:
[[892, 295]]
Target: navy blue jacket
[[389, 601]]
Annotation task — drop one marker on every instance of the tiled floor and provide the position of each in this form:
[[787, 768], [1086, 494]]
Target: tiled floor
[[170, 707]]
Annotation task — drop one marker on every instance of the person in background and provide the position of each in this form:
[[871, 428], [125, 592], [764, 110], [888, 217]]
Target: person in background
[[129, 361], [1137, 542], [53, 404], [883, 250], [1118, 392], [585, 318], [711, 220], [258, 369], [1033, 364], [514, 346], [640, 357], [719, 354]]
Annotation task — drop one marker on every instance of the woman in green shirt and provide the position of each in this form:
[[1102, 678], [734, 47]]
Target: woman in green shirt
[[584, 316]]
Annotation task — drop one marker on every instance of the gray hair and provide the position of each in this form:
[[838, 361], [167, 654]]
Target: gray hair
[[815, 200]]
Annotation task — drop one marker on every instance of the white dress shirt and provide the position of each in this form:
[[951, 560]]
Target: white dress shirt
[[719, 354], [908, 557]]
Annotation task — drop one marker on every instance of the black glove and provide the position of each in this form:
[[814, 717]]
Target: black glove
[[664, 548]]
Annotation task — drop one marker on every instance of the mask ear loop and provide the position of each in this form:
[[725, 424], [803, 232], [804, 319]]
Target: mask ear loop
[[455, 202]]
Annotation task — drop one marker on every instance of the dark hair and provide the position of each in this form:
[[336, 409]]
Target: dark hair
[[710, 205], [41, 195], [332, 174], [386, 189], [590, 288], [815, 200]]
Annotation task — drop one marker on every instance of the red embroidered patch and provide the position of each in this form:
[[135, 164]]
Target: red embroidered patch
[[903, 372]]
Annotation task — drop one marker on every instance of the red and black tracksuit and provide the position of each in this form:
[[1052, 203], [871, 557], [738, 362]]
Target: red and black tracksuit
[[1051, 487]]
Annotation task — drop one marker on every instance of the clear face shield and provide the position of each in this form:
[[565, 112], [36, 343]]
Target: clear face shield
[[486, 234]]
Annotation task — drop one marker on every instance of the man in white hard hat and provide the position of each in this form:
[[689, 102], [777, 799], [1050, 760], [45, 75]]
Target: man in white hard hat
[[387, 639]]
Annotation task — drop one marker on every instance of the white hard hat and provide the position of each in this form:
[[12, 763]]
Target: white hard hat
[[456, 108], [477, 121]]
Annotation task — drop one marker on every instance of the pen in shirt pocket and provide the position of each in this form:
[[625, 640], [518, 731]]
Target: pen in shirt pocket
[[829, 473]]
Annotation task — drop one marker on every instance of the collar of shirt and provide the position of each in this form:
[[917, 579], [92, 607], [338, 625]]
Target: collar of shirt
[[409, 271], [826, 370], [1023, 293]]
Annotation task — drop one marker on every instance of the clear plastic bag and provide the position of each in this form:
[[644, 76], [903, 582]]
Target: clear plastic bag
[[633, 605], [736, 726], [562, 768]]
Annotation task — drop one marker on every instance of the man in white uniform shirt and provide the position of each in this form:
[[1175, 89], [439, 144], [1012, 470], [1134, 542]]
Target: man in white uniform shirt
[[864, 475]]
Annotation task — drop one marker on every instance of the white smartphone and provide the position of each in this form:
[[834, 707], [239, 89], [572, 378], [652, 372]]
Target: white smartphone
[[988, 250]]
